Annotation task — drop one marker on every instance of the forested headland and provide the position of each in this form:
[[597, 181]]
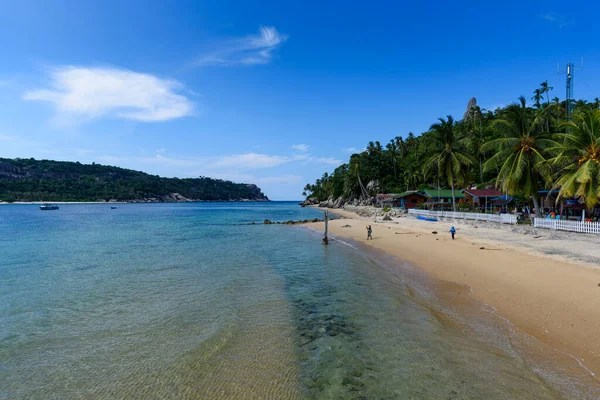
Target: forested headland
[[45, 180]]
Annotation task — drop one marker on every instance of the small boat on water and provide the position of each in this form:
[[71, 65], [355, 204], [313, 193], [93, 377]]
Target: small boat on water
[[113, 208], [48, 207], [422, 218]]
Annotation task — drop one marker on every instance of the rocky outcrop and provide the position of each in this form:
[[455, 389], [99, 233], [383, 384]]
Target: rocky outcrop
[[291, 222], [178, 198], [469, 112], [310, 201], [372, 186], [340, 202], [370, 211]]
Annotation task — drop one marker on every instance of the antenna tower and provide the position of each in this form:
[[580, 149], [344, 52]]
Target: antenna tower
[[570, 73]]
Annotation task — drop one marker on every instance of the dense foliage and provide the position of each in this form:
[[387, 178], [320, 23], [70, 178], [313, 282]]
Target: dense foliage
[[517, 148], [45, 180]]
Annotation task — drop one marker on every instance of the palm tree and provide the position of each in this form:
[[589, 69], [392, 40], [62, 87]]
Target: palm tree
[[597, 103], [546, 89], [307, 190], [400, 146], [474, 128], [537, 96], [578, 158], [355, 165], [413, 178], [521, 151], [448, 159], [393, 151], [581, 105]]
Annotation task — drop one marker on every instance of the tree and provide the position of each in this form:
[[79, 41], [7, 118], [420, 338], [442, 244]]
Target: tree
[[392, 149], [307, 190], [521, 151], [448, 157], [474, 129], [581, 105], [413, 178], [578, 158], [537, 96], [545, 88]]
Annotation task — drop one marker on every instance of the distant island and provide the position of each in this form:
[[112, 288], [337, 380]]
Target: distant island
[[25, 180]]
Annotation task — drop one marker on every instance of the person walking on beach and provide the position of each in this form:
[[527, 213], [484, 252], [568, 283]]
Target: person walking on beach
[[369, 232], [452, 232]]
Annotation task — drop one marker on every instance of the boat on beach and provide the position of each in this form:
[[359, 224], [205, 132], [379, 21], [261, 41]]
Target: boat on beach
[[423, 218], [47, 206]]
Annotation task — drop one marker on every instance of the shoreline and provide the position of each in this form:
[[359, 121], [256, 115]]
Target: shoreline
[[551, 298], [132, 202]]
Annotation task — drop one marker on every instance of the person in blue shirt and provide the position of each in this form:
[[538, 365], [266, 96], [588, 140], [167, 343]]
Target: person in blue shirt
[[452, 231]]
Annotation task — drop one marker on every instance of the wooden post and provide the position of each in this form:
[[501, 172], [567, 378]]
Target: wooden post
[[325, 238]]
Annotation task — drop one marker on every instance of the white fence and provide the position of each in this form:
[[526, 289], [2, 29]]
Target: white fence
[[571, 226], [500, 218]]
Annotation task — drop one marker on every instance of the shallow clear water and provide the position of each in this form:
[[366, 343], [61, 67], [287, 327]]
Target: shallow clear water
[[191, 301]]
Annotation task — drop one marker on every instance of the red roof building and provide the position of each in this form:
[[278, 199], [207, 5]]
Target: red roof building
[[480, 196]]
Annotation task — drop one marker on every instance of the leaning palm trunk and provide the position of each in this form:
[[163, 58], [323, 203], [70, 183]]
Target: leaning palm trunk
[[480, 169], [362, 188]]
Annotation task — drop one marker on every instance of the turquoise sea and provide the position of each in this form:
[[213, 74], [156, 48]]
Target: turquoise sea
[[192, 301]]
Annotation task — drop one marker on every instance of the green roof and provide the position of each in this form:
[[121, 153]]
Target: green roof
[[408, 193], [444, 193]]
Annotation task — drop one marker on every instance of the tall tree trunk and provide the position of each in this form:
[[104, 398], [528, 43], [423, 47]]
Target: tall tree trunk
[[453, 197], [536, 206]]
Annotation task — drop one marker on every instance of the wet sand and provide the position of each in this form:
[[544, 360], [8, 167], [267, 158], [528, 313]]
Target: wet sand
[[555, 301]]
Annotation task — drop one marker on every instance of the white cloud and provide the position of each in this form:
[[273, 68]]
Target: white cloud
[[225, 167], [87, 93], [83, 152], [352, 150], [158, 159], [301, 147], [249, 161], [256, 161], [280, 180], [161, 150], [249, 50], [325, 160], [18, 141], [7, 138], [236, 176], [560, 20]]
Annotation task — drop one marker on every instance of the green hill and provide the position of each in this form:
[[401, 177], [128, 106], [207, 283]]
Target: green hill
[[46, 180]]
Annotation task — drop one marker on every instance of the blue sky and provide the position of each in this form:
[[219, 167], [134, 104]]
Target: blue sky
[[272, 93]]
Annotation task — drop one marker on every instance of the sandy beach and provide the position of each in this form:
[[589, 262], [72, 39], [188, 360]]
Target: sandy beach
[[547, 287]]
